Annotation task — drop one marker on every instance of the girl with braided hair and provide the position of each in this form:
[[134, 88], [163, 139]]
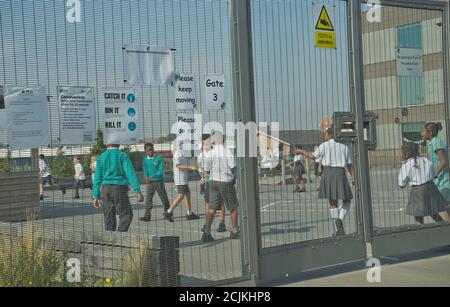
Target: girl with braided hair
[[438, 154], [425, 198]]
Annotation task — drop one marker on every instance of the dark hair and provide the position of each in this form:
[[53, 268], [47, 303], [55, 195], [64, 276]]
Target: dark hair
[[78, 158], [410, 151], [206, 137], [149, 146], [41, 156], [433, 128]]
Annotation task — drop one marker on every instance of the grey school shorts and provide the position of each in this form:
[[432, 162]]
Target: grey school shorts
[[225, 191]]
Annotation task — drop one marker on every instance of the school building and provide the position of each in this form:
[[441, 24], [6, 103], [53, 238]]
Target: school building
[[403, 103]]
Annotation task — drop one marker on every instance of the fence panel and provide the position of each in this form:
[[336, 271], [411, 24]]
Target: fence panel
[[39, 46]]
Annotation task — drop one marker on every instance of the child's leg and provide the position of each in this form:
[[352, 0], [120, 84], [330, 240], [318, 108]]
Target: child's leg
[[344, 210], [162, 193], [187, 203], [334, 211], [178, 199], [420, 220], [234, 220], [222, 213], [303, 184], [437, 218], [446, 215]]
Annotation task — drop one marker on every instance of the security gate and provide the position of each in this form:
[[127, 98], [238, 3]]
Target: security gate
[[406, 84], [382, 74]]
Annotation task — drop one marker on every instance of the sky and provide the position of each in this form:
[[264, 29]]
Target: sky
[[296, 83]]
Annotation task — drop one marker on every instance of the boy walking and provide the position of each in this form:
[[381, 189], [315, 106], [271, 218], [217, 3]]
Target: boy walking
[[114, 173], [153, 168], [221, 165], [80, 177], [181, 170], [45, 175], [205, 183]]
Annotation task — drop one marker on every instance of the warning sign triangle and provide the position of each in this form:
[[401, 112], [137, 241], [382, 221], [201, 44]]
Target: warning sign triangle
[[324, 23]]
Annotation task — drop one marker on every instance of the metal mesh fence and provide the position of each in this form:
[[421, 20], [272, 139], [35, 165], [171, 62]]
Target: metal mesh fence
[[404, 84], [297, 85], [38, 46]]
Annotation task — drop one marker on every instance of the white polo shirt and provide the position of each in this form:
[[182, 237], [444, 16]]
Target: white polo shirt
[[180, 177], [333, 154], [416, 172], [79, 172], [43, 169], [220, 162]]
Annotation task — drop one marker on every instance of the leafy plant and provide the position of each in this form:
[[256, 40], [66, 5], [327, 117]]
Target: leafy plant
[[96, 150], [6, 163], [61, 165]]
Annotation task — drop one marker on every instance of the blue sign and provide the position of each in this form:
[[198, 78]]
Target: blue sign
[[132, 126], [131, 112], [131, 98]]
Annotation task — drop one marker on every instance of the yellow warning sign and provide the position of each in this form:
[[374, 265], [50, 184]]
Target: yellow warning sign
[[325, 40], [324, 23]]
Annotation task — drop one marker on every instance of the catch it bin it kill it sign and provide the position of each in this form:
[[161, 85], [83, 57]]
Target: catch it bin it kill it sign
[[121, 116], [325, 34]]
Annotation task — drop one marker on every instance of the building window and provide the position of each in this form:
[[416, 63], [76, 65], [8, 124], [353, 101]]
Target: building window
[[411, 132], [412, 89]]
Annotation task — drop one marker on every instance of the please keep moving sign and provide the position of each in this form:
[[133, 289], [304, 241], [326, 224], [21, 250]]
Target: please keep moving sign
[[121, 116], [325, 34], [215, 95], [27, 113], [185, 93]]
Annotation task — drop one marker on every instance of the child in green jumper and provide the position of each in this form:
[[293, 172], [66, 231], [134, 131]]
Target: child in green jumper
[[153, 168]]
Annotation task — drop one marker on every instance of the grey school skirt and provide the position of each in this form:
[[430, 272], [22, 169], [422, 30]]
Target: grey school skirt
[[334, 185], [425, 200]]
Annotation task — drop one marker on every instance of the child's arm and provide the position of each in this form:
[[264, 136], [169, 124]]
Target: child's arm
[[403, 177], [308, 155], [160, 167], [186, 167], [443, 159], [351, 170]]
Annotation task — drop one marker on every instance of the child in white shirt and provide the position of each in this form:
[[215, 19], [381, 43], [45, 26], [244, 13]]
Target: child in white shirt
[[425, 198]]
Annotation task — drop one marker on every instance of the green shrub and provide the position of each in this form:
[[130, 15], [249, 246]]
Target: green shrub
[[61, 166]]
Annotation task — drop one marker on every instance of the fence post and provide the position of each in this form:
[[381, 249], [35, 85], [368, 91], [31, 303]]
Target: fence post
[[244, 110], [358, 107]]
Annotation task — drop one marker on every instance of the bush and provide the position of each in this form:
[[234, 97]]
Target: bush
[[6, 163], [96, 150], [61, 166], [25, 262]]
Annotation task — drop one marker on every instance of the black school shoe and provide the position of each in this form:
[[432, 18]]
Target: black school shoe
[[222, 228], [206, 238], [192, 217], [340, 228], [168, 217], [235, 235], [146, 219]]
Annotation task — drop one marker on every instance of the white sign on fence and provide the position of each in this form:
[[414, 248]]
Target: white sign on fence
[[187, 131], [77, 115], [409, 62], [185, 93], [215, 96], [120, 109], [146, 65], [27, 113]]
